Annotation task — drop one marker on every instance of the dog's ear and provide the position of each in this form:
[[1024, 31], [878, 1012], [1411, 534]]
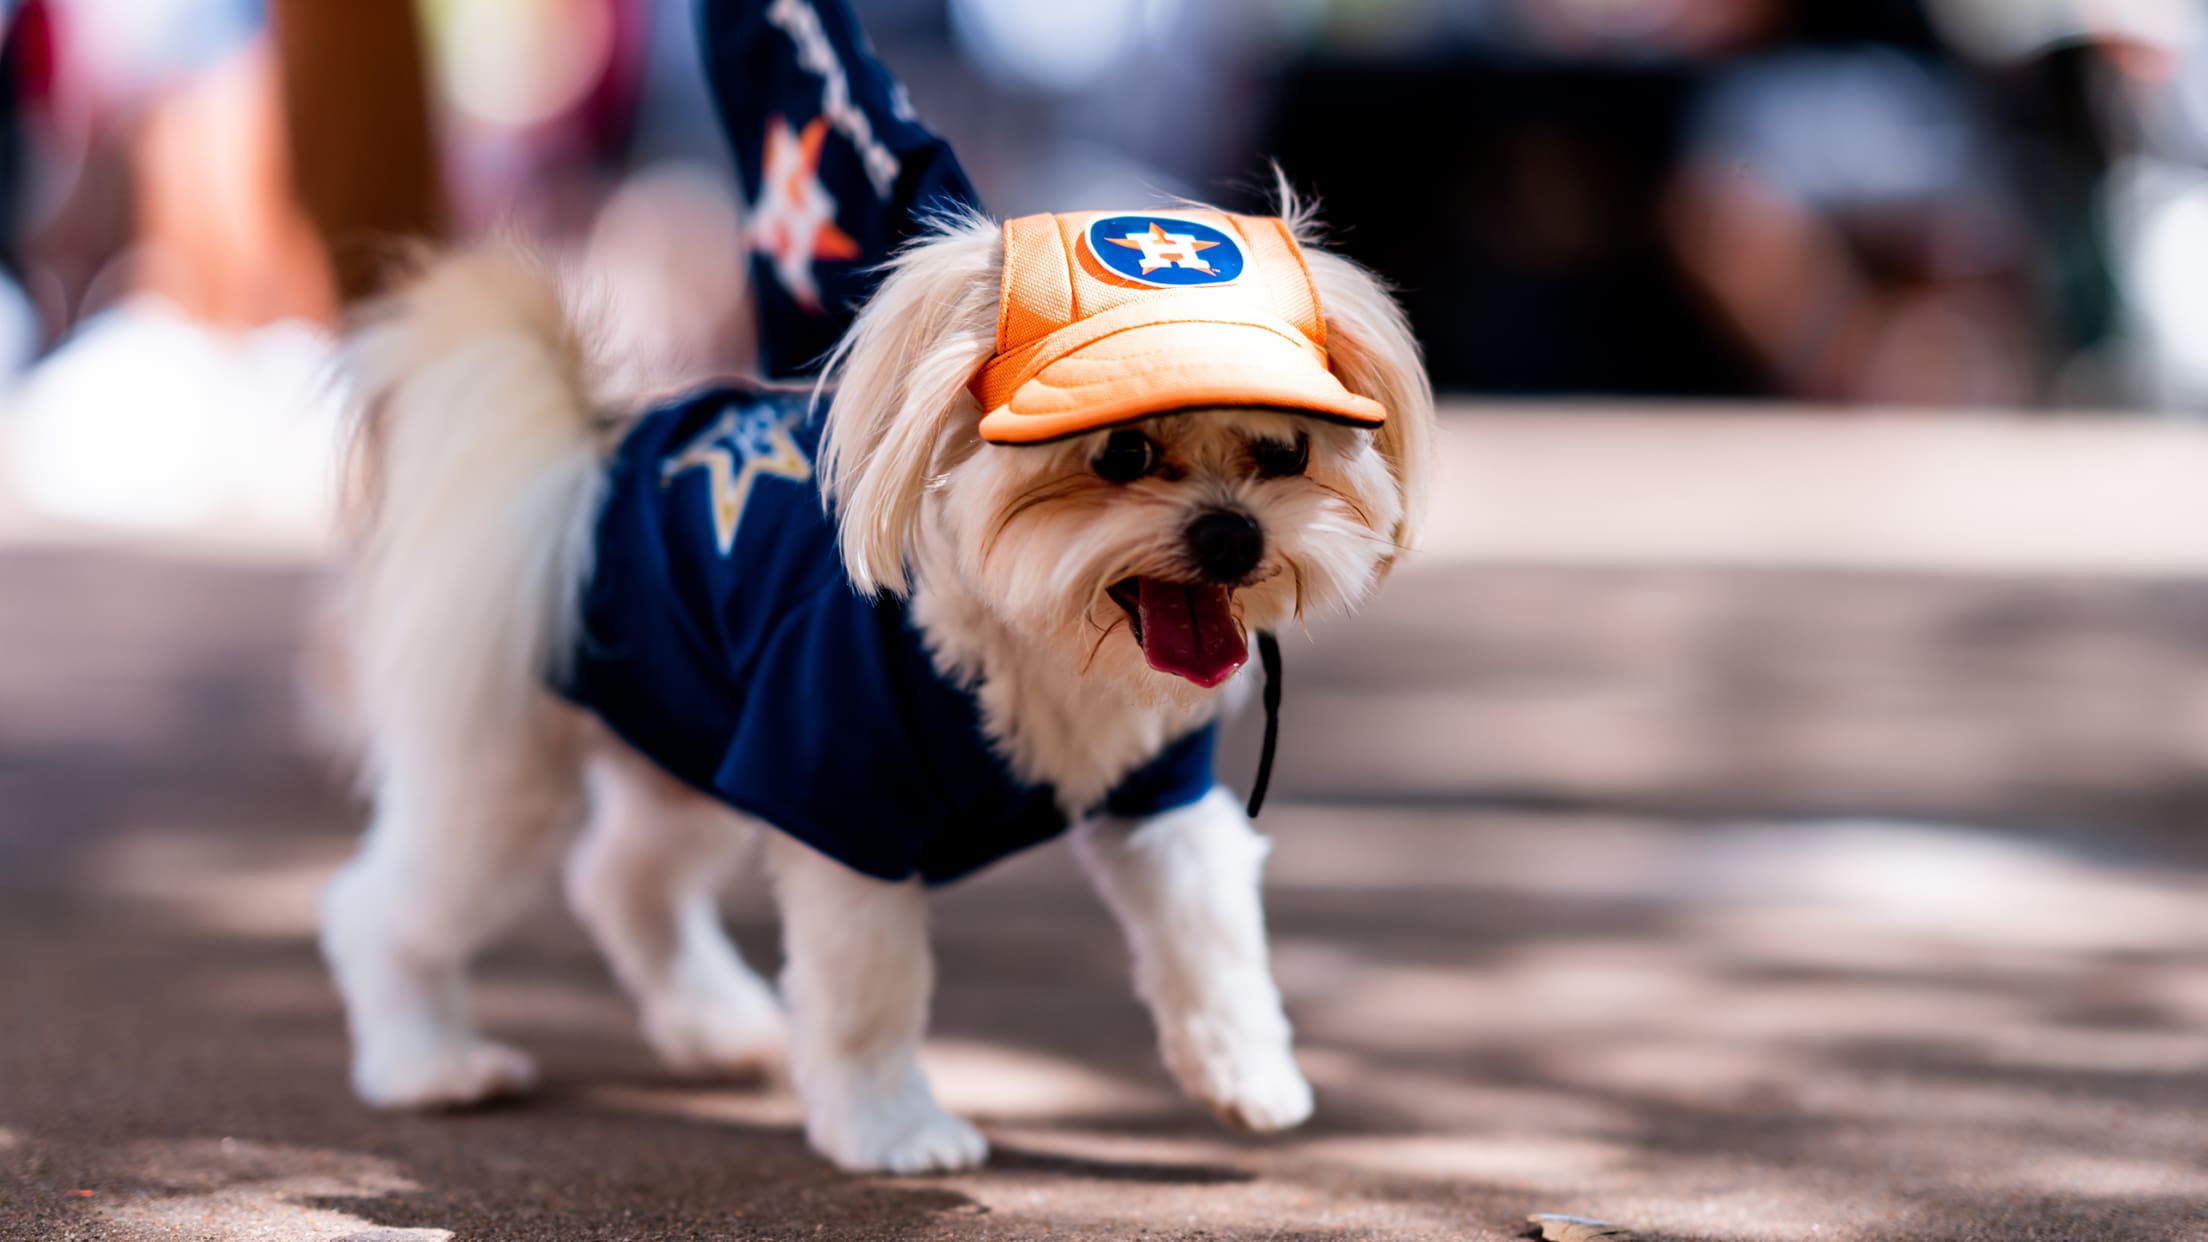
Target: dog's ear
[[900, 379], [1370, 346]]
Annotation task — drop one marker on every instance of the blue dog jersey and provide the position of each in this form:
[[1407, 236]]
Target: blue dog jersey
[[720, 636], [721, 639]]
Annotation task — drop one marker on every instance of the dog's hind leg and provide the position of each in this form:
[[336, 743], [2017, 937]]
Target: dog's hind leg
[[643, 879], [457, 848], [857, 982]]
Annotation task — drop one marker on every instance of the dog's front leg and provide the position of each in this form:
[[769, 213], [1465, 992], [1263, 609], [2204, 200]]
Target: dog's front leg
[[1184, 886], [857, 984]]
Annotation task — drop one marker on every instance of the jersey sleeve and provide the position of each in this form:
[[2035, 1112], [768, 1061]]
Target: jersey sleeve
[[808, 105], [1178, 776]]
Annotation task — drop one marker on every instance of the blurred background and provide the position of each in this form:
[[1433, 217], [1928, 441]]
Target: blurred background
[[1770, 807], [1946, 203], [1938, 205]]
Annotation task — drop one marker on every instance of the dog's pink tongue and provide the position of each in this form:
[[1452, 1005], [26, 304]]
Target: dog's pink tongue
[[1190, 631]]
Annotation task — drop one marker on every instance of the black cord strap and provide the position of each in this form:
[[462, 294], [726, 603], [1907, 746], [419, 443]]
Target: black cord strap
[[1268, 655]]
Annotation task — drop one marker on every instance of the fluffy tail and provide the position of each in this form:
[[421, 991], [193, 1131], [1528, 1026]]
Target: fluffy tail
[[478, 473]]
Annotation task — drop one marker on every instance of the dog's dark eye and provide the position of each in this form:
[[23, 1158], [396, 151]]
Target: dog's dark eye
[[1277, 460], [1126, 456]]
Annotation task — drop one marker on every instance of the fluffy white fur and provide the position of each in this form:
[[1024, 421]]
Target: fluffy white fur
[[482, 445]]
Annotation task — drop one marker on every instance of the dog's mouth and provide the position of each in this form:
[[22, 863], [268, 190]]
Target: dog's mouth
[[1184, 628]]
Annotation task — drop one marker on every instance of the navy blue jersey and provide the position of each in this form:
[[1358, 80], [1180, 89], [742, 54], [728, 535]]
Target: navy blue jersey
[[722, 640], [720, 636]]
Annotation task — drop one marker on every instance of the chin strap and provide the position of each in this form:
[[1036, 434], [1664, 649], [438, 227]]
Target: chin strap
[[1268, 655]]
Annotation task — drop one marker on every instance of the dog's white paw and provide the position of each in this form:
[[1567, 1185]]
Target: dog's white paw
[[452, 1072], [905, 1132], [729, 1035], [1264, 1094], [1251, 1083]]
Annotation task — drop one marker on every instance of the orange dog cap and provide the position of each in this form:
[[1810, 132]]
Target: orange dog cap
[[1107, 317]]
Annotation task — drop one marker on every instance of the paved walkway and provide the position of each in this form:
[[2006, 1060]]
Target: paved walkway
[[1575, 902]]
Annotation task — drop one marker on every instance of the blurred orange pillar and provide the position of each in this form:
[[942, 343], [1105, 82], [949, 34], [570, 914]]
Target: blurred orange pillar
[[363, 158]]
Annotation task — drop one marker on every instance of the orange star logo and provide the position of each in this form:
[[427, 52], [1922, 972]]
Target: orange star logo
[[1162, 249], [794, 221]]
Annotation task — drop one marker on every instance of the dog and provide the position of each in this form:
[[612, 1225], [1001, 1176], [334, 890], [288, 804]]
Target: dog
[[994, 580]]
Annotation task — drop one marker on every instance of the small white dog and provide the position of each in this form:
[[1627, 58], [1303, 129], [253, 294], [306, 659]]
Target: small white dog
[[1070, 463]]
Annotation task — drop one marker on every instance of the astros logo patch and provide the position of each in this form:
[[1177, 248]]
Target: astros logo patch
[[1167, 252], [743, 444]]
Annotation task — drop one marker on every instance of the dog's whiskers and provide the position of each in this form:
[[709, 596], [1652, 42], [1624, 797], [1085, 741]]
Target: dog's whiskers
[[1347, 501], [1098, 648], [1042, 493]]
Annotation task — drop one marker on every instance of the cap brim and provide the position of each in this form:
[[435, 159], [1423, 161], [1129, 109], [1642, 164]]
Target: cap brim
[[1162, 367]]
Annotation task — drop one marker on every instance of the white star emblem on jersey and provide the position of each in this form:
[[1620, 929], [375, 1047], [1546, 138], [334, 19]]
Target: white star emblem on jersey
[[744, 443]]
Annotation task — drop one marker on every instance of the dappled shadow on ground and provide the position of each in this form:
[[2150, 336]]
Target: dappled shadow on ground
[[2028, 701], [1752, 1031]]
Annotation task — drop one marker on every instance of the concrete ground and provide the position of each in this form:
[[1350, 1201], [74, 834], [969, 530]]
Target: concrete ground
[[1640, 879]]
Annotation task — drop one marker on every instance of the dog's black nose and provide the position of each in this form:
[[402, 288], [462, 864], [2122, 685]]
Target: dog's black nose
[[1226, 544]]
